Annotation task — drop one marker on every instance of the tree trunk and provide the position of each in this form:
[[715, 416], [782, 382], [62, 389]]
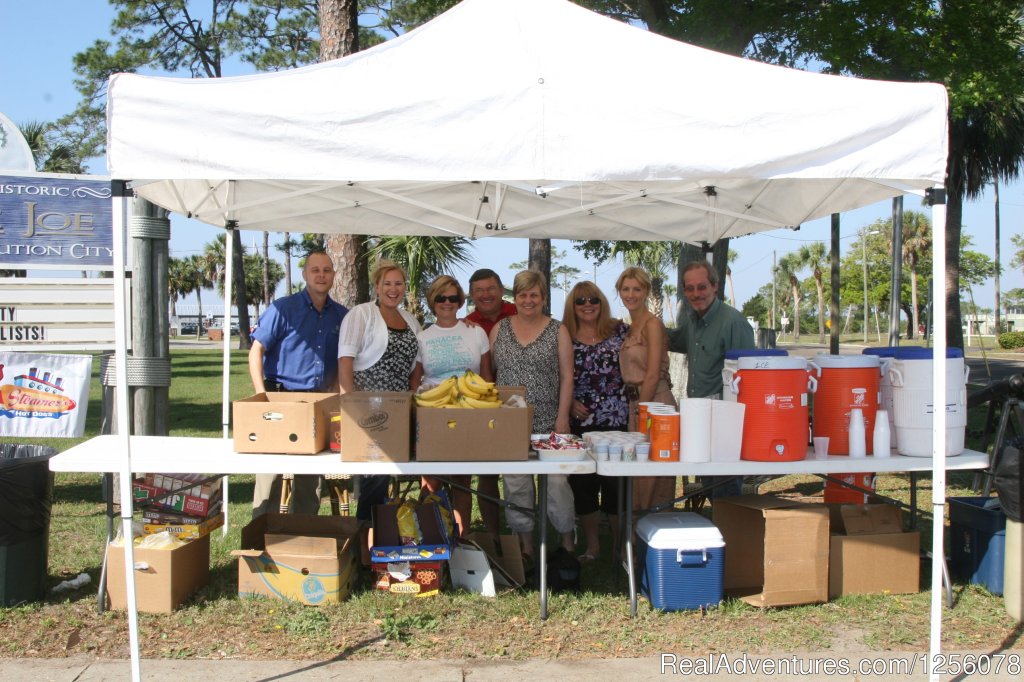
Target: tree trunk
[[266, 270], [540, 261], [820, 283], [954, 216], [241, 300], [915, 308], [288, 264], [796, 308], [339, 37]]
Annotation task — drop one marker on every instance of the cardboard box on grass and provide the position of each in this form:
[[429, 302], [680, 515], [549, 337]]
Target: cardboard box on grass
[[417, 578], [283, 423], [376, 426], [870, 553], [500, 434], [776, 550], [164, 578], [436, 542], [483, 563], [298, 557]]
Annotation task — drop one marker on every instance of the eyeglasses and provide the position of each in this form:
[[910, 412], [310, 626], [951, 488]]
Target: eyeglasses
[[699, 287], [592, 300], [454, 298]]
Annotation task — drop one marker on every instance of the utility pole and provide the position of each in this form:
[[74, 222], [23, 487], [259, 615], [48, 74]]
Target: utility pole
[[864, 254], [995, 188], [773, 289]]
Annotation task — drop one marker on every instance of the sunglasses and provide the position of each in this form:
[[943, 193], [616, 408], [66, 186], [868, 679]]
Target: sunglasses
[[592, 300], [700, 287], [454, 298]]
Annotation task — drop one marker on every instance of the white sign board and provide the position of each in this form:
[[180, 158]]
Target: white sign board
[[56, 314]]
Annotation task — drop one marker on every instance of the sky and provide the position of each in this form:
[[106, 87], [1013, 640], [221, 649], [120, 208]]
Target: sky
[[38, 40]]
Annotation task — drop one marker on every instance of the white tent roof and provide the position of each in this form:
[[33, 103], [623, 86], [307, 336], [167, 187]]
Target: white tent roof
[[537, 117]]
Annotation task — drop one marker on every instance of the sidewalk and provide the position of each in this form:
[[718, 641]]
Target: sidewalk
[[834, 666]]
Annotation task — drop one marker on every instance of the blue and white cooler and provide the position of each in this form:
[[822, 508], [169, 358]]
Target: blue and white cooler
[[682, 559]]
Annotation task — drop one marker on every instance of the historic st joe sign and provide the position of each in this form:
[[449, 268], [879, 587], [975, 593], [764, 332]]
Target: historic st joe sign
[[55, 221]]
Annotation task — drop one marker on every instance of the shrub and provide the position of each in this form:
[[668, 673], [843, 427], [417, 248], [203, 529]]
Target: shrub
[[1011, 340]]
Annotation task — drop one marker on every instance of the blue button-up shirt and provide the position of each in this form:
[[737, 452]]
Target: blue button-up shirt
[[300, 342]]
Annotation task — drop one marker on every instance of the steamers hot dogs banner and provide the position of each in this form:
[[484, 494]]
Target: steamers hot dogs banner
[[44, 395]]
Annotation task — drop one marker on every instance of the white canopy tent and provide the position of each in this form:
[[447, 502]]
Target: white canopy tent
[[532, 118]]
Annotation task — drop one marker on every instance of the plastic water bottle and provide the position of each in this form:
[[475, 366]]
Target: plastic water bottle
[[858, 444], [880, 437]]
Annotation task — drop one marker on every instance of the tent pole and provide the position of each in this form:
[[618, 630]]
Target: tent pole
[[119, 196], [936, 198], [225, 403]]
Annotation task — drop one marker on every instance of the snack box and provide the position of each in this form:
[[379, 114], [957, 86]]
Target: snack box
[[418, 578], [283, 423], [436, 544]]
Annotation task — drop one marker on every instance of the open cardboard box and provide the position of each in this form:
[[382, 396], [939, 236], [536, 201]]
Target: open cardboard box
[[298, 557], [500, 434], [870, 553], [776, 550], [283, 423], [436, 544], [376, 426], [164, 578], [483, 563]]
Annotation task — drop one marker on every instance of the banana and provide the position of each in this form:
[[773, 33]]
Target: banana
[[437, 402], [477, 382], [465, 389], [479, 404], [442, 389]]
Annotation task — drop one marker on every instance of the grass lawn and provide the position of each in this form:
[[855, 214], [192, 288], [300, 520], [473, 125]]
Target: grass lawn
[[215, 623]]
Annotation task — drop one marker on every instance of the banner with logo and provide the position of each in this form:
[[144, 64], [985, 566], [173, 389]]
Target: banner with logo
[[44, 395]]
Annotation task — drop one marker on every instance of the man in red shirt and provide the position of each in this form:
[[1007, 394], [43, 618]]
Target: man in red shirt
[[485, 289]]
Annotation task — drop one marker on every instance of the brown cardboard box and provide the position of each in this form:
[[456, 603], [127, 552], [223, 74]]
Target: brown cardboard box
[[285, 423], [376, 426], [418, 578], [387, 546], [776, 550], [462, 435], [869, 552], [168, 578], [297, 557]]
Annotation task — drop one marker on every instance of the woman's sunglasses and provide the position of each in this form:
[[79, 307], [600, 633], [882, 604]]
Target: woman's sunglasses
[[592, 300], [454, 298]]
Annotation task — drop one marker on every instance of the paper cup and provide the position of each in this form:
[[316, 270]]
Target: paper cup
[[820, 447]]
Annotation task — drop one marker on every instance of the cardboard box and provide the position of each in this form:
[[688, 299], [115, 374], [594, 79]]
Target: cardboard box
[[298, 557], [387, 541], [776, 550], [153, 515], [284, 423], [164, 578], [186, 531], [189, 505], [491, 435], [376, 426], [418, 578], [483, 563], [869, 552]]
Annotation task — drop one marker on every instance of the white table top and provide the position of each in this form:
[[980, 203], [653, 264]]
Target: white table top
[[834, 464], [175, 455]]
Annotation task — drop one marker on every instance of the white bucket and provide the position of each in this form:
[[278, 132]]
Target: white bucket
[[911, 377]]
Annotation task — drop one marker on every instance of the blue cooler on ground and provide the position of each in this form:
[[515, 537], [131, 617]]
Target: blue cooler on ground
[[977, 539], [682, 557]]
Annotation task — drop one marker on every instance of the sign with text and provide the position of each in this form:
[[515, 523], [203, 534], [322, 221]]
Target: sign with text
[[56, 314], [44, 395], [55, 221]]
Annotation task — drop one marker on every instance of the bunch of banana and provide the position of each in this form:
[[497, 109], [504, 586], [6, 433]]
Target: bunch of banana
[[445, 393], [469, 390]]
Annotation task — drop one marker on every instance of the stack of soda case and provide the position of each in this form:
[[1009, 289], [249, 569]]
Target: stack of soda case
[[191, 510]]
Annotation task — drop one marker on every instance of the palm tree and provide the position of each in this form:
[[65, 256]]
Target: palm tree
[[917, 241], [204, 268], [180, 281], [423, 259], [728, 276], [670, 292], [50, 156], [789, 266], [815, 256]]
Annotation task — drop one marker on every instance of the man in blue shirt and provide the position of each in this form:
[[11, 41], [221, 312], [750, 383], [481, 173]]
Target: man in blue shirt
[[295, 348]]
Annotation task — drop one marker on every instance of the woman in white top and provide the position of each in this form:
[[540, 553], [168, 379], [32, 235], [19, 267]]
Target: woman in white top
[[448, 348], [377, 352]]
